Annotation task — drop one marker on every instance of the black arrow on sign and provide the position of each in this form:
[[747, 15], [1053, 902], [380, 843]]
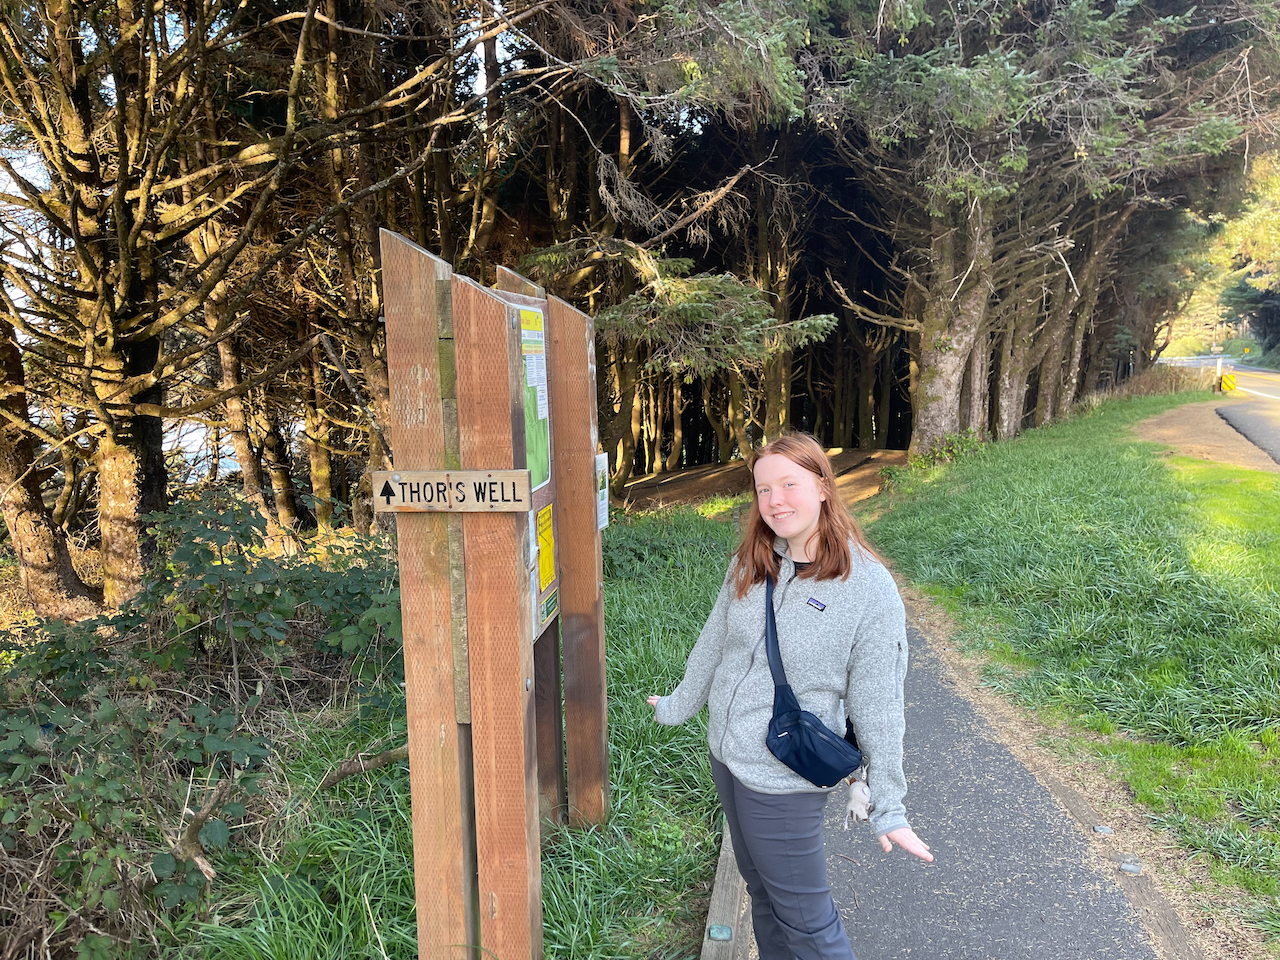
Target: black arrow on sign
[[387, 492]]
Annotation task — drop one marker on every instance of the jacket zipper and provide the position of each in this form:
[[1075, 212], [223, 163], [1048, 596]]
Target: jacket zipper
[[728, 710]]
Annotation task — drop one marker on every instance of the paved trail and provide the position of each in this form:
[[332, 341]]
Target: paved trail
[[1013, 878]]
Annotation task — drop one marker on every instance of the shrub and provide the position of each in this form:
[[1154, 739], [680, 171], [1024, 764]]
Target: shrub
[[132, 745], [1162, 379]]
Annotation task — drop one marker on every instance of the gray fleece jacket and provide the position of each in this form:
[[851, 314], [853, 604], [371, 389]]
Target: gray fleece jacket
[[839, 639]]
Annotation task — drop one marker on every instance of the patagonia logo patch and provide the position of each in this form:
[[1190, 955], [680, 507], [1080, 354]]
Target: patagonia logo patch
[[817, 604]]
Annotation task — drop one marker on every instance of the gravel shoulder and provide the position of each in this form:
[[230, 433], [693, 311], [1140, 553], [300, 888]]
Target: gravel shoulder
[[1199, 430]]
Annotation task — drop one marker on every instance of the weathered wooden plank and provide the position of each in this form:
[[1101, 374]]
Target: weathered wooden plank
[[547, 693], [511, 282], [442, 879], [499, 631], [730, 907], [571, 370]]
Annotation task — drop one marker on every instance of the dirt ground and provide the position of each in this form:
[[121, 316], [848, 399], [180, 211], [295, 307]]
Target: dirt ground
[[1196, 430]]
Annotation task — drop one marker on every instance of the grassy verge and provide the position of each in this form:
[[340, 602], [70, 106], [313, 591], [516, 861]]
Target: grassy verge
[[1135, 594], [332, 875]]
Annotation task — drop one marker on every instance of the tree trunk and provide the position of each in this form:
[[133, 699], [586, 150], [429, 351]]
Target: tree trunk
[[44, 562], [442, 172], [131, 484], [626, 369], [318, 441], [215, 452], [632, 438], [1084, 319], [865, 388], [1097, 351], [1050, 378], [724, 445], [678, 404], [77, 476], [841, 428], [132, 480], [777, 394], [658, 394], [737, 413], [374, 369], [1011, 395], [238, 428], [885, 403], [275, 451], [485, 208], [979, 393], [953, 318]]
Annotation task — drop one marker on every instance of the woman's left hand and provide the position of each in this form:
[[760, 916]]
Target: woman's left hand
[[906, 838]]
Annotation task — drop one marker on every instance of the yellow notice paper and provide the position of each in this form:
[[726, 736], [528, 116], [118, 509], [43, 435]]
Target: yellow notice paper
[[546, 549]]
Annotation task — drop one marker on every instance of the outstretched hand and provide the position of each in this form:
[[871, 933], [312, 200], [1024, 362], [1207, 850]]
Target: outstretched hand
[[906, 838]]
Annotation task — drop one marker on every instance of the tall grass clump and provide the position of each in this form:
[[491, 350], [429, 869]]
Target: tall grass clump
[[333, 875], [1139, 595]]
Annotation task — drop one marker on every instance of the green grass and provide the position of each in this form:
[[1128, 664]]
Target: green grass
[[1138, 595], [330, 876]]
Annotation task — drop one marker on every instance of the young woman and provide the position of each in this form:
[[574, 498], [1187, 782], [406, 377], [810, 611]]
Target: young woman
[[842, 635]]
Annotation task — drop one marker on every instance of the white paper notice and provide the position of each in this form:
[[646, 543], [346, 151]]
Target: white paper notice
[[602, 490], [536, 370], [542, 402]]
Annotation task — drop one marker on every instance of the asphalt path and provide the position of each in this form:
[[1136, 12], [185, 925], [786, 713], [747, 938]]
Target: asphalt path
[[1013, 877], [1258, 417]]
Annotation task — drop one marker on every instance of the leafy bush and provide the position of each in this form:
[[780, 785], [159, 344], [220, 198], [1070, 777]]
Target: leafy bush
[[948, 449], [132, 745]]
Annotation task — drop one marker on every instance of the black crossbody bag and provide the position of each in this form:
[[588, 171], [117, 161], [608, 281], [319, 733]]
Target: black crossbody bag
[[797, 737]]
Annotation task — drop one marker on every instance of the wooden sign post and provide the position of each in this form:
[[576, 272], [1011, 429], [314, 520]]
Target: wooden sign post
[[494, 427]]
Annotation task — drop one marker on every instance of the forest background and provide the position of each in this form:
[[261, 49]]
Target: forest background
[[895, 223], [888, 223]]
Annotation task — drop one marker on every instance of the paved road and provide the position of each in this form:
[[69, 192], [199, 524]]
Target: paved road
[[1258, 418], [1012, 879]]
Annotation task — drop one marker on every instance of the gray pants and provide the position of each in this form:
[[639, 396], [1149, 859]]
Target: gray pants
[[777, 839]]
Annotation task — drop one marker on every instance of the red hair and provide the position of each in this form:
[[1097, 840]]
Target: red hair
[[831, 555]]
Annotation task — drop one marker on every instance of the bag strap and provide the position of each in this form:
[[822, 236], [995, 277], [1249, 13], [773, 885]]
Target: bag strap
[[771, 636]]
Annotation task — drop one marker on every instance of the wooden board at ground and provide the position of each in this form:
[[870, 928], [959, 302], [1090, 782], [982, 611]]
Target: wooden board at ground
[[412, 279]]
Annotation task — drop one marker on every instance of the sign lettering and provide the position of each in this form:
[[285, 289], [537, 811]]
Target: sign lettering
[[472, 491]]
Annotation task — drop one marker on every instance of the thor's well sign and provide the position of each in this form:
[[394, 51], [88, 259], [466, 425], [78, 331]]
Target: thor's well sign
[[459, 490], [494, 491]]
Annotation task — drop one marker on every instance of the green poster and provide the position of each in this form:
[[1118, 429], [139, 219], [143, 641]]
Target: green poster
[[537, 423]]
